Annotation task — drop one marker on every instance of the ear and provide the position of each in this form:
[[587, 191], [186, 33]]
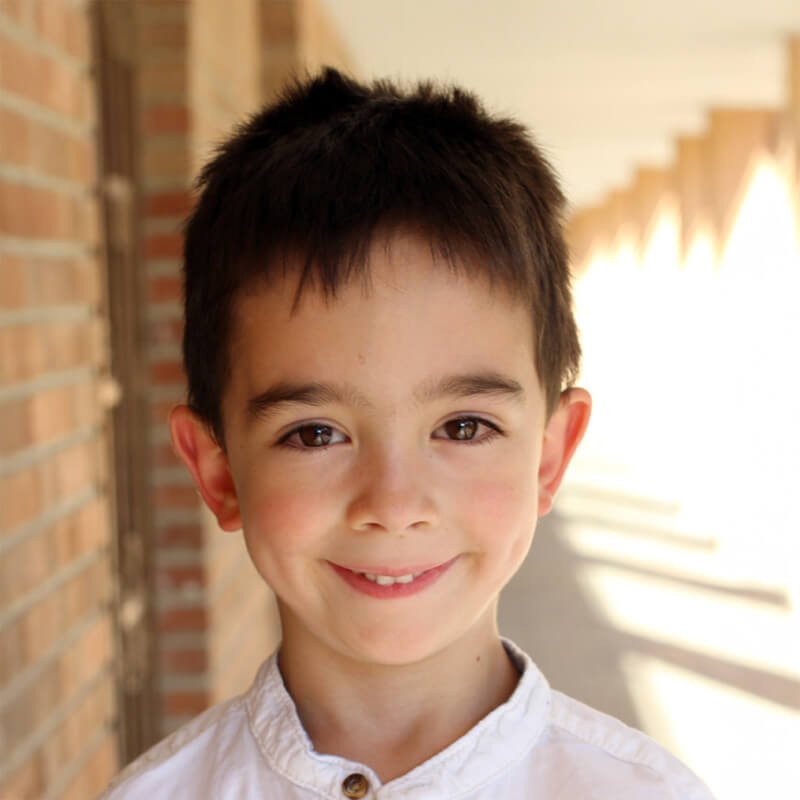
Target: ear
[[198, 449], [562, 435]]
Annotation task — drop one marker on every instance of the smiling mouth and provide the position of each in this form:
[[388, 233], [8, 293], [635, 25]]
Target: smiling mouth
[[387, 582]]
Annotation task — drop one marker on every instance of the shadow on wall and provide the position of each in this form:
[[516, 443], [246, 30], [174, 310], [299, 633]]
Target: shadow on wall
[[548, 611]]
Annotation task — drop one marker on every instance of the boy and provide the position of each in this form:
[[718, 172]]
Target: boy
[[381, 353]]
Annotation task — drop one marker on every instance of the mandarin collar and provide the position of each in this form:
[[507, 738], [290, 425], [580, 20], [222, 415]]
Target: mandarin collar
[[495, 744]]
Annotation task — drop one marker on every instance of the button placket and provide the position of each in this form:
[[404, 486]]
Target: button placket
[[355, 785]]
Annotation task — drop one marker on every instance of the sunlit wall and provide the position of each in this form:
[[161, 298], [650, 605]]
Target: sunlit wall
[[688, 306]]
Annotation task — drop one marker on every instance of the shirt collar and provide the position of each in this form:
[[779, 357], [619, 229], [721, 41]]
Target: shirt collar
[[495, 744]]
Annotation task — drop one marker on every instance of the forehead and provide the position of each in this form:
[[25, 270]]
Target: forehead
[[414, 317]]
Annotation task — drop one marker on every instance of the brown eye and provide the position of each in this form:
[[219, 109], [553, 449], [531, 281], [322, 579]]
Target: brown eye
[[463, 429], [315, 435], [312, 436]]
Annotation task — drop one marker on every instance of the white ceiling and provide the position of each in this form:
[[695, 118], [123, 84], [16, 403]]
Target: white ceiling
[[605, 85]]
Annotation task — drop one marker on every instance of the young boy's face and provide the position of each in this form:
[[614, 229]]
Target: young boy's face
[[391, 433]]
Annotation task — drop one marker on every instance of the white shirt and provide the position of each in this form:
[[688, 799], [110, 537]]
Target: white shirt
[[539, 744]]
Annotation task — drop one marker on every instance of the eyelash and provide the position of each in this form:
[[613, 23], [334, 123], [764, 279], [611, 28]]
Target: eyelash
[[493, 432]]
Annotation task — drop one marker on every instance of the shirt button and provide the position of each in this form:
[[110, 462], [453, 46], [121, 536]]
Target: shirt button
[[355, 785]]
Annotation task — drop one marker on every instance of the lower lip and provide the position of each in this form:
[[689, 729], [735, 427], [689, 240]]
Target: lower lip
[[368, 587]]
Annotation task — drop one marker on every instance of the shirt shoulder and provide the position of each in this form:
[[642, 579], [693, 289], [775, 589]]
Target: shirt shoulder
[[173, 757], [606, 751]]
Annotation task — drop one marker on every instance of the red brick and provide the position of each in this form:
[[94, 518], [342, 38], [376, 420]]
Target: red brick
[[36, 557], [63, 156], [67, 742], [65, 344], [65, 27], [25, 494], [159, 413], [27, 639], [159, 80], [19, 11], [165, 331], [181, 619], [12, 280], [175, 497], [64, 281], [164, 35], [41, 210], [15, 430], [16, 134], [61, 679], [172, 118], [64, 745], [163, 289], [167, 372], [168, 204], [29, 350], [30, 211], [163, 245], [181, 535], [27, 783], [95, 774], [19, 498], [51, 414], [42, 80], [163, 455], [167, 159], [176, 577], [22, 353], [70, 471], [25, 567], [54, 412], [43, 149], [186, 702], [191, 661], [279, 24]]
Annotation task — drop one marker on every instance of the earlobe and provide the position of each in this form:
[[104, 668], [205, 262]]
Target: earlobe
[[562, 436], [208, 463]]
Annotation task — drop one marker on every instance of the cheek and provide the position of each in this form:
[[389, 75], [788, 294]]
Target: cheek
[[280, 520], [502, 510]]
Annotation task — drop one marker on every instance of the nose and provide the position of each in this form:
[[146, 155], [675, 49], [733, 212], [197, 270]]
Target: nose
[[393, 494]]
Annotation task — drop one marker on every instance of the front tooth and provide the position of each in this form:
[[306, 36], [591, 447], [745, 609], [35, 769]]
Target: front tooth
[[369, 575], [384, 580], [404, 578]]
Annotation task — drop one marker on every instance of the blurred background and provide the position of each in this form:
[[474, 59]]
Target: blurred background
[[663, 588]]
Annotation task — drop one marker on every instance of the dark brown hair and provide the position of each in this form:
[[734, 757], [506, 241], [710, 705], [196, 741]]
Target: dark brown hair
[[318, 174]]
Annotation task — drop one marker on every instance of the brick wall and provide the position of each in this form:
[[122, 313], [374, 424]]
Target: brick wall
[[215, 619], [177, 538], [298, 36], [56, 684], [191, 93]]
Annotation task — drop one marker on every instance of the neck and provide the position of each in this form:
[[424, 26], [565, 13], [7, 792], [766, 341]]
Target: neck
[[393, 717]]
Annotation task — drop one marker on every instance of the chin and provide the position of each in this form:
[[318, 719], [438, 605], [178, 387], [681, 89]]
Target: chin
[[393, 647]]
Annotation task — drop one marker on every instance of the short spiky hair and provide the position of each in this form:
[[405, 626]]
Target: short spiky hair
[[318, 174]]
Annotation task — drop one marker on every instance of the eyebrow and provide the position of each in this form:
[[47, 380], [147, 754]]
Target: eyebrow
[[315, 393]]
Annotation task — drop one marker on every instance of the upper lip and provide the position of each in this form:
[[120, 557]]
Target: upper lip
[[393, 572]]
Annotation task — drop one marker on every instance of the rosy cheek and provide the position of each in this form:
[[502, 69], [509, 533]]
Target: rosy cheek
[[502, 513], [497, 503], [282, 520]]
